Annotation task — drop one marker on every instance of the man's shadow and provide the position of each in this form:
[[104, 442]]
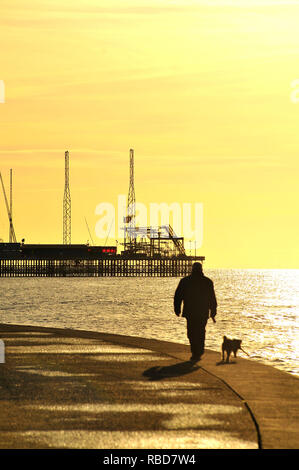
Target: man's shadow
[[175, 370]]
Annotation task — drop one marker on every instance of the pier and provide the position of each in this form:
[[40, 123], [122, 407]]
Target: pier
[[50, 260], [107, 267], [148, 251]]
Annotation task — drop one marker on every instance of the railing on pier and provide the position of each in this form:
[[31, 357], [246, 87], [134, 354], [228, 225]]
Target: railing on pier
[[110, 267]]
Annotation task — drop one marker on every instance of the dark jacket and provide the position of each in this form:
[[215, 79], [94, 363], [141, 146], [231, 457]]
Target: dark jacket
[[197, 293]]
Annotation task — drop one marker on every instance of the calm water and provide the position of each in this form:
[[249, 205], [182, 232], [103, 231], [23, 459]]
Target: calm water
[[261, 307]]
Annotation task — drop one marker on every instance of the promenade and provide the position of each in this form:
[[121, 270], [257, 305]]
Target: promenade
[[63, 388]]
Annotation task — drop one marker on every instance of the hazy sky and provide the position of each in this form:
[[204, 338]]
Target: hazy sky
[[200, 89]]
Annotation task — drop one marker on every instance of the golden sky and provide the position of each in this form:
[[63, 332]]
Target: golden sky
[[201, 91]]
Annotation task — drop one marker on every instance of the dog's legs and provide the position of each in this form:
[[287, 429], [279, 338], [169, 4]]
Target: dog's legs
[[227, 357]]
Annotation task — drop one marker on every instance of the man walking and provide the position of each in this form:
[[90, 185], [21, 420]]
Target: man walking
[[197, 293]]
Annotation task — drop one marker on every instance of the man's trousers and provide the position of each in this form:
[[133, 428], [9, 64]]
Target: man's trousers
[[196, 332]]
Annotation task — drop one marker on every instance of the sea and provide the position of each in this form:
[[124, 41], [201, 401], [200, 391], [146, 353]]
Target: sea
[[259, 306]]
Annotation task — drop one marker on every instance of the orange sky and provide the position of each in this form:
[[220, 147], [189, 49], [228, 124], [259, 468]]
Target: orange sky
[[201, 90]]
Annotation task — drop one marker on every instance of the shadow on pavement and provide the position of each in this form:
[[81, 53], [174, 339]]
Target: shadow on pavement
[[175, 370]]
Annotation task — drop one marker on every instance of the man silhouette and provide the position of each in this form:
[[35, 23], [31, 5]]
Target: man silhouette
[[197, 293]]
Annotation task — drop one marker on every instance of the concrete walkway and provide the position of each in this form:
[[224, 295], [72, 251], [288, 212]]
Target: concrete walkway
[[62, 388]]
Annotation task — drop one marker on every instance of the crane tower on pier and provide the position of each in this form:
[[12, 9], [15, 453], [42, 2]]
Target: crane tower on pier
[[11, 229], [67, 203], [130, 236], [12, 235]]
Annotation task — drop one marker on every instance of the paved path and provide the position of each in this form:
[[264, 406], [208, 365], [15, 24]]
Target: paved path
[[62, 388]]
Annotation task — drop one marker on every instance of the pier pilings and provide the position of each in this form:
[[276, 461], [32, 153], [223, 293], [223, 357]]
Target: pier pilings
[[105, 267]]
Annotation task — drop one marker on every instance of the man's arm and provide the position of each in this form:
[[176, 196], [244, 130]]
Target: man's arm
[[178, 298], [213, 301]]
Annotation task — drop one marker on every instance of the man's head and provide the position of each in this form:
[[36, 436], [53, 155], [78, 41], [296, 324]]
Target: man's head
[[197, 268]]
